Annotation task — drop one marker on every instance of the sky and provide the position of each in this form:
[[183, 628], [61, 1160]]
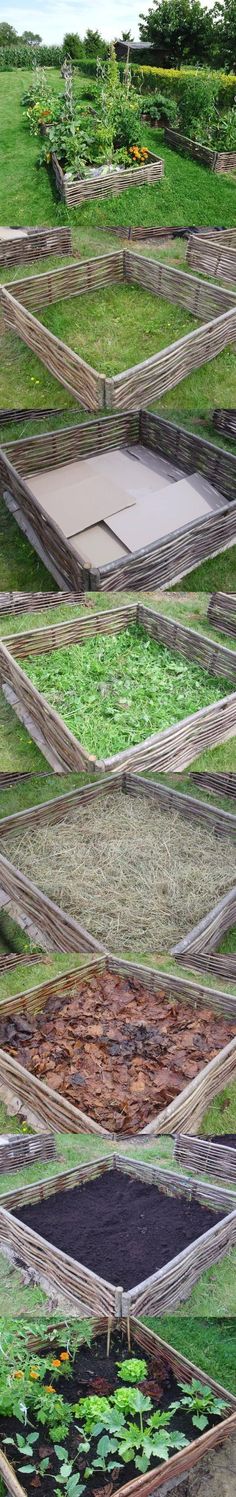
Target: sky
[[52, 18]]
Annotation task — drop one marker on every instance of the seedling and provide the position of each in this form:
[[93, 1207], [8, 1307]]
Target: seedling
[[201, 1402]]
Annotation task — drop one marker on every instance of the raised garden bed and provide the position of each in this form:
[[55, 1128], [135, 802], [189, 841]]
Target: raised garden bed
[[122, 1232], [16, 1152], [17, 603], [116, 704], [200, 946], [135, 890], [94, 1364], [217, 783], [212, 256], [218, 1160], [77, 190], [167, 450], [155, 375], [222, 612], [48, 1107], [21, 246], [217, 161], [127, 1024]]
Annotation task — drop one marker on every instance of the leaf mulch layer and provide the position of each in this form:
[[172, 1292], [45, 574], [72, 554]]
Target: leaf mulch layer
[[117, 1051], [122, 1229], [93, 1372]]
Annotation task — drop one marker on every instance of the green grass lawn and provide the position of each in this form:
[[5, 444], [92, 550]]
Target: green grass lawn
[[117, 327], [187, 194]]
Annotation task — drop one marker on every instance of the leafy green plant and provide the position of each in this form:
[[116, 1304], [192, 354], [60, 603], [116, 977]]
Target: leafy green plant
[[68, 1480], [91, 1408], [25, 1448], [134, 1370], [201, 1403]]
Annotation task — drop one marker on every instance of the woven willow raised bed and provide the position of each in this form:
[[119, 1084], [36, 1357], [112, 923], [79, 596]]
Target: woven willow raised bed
[[172, 1470], [147, 380], [220, 783], [49, 1108], [165, 1289], [82, 189], [172, 749], [200, 945], [33, 244], [61, 929], [16, 1151], [222, 612], [155, 565], [217, 161], [212, 257], [216, 1160]]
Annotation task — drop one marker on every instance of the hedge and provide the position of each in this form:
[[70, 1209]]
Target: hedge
[[173, 79]]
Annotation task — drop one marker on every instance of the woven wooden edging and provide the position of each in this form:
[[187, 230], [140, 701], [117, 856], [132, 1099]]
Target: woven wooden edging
[[47, 1108], [216, 259], [174, 748], [16, 603], [222, 612], [153, 566], [216, 1160], [217, 161], [17, 1151], [34, 244], [153, 376], [164, 1289], [225, 420], [200, 945], [183, 1370], [220, 783], [83, 189]]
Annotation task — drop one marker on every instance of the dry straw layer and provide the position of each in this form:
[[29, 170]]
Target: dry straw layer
[[174, 747], [44, 1107], [153, 376], [108, 872], [216, 1160], [212, 257], [183, 1370], [154, 565], [218, 161], [165, 1289]]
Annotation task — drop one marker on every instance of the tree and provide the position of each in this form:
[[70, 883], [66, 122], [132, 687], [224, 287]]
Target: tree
[[8, 36], [126, 36], [31, 38], [224, 16], [73, 46], [179, 31], [94, 45]]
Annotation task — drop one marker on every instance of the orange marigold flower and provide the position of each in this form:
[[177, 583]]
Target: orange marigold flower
[[34, 1373], [64, 1356], [18, 1374], [49, 1389], [56, 1362]]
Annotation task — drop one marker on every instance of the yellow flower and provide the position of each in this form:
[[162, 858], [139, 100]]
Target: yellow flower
[[33, 1372], [18, 1374], [49, 1389]]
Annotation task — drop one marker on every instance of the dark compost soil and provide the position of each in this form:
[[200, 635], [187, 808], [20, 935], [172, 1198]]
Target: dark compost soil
[[122, 1229], [114, 1049], [94, 1372]]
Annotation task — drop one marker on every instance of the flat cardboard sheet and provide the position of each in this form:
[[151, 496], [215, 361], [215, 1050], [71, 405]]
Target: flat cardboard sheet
[[76, 497], [178, 504], [98, 545]]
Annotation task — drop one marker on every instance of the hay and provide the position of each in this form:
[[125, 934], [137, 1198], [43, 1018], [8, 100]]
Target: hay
[[135, 876]]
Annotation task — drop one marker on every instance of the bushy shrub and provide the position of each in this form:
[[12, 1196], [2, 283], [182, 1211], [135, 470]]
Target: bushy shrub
[[197, 106], [159, 109]]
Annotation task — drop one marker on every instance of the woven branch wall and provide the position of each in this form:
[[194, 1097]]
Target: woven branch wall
[[216, 1160], [213, 258], [218, 161], [34, 245], [222, 612]]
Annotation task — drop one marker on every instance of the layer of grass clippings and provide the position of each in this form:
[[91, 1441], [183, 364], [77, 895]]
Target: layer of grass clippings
[[119, 1227], [138, 879], [115, 690], [113, 1047]]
